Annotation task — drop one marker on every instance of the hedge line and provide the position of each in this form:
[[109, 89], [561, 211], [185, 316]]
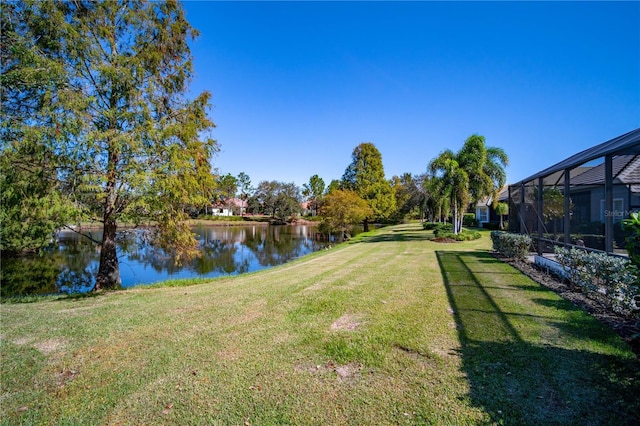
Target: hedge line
[[614, 281], [514, 246]]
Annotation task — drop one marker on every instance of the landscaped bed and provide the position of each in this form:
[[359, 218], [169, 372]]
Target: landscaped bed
[[390, 328]]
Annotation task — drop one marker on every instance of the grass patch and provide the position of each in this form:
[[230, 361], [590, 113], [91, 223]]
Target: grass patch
[[388, 329]]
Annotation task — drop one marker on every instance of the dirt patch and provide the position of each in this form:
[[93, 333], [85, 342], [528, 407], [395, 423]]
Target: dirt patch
[[49, 346], [22, 341], [347, 322], [628, 328], [345, 373]]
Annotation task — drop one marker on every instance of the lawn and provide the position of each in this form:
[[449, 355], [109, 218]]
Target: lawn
[[391, 328]]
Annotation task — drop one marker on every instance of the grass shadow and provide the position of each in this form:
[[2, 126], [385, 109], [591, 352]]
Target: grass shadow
[[516, 379]]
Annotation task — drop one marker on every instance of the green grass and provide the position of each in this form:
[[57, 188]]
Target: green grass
[[391, 328]]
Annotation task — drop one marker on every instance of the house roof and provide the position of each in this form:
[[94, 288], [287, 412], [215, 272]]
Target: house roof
[[625, 170], [627, 144], [503, 195], [231, 202]]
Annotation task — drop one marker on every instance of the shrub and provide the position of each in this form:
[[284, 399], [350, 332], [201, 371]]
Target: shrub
[[443, 228], [610, 279], [469, 219], [437, 226], [465, 235], [511, 245], [429, 226]]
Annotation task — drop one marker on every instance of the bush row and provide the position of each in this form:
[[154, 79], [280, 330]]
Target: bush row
[[465, 235], [469, 219], [610, 279], [433, 226], [511, 245], [445, 230]]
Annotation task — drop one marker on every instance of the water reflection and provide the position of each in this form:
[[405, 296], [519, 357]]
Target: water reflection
[[72, 265]]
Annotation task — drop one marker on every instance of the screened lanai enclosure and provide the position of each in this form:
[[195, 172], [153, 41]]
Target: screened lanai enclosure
[[582, 200]]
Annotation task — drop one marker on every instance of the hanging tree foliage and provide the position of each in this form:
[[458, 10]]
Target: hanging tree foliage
[[100, 89]]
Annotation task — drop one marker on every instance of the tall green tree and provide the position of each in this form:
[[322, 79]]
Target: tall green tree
[[244, 186], [313, 191], [408, 195], [106, 85], [365, 176], [227, 185]]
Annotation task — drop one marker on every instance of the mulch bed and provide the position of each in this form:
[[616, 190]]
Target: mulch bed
[[628, 328]]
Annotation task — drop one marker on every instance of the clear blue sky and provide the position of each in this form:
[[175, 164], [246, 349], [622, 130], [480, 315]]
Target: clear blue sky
[[298, 85]]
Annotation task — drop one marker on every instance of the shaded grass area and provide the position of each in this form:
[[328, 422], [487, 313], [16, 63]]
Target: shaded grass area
[[379, 331], [530, 357]]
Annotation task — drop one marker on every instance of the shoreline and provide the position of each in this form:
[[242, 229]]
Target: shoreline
[[190, 222]]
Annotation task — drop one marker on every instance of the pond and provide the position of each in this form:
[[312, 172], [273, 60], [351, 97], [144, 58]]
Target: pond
[[72, 264]]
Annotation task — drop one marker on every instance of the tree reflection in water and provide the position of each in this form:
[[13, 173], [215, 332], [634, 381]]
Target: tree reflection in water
[[71, 265]]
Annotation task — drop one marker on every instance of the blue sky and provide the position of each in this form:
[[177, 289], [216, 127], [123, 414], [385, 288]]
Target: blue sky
[[298, 85]]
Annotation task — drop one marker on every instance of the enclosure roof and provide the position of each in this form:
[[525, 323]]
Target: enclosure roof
[[629, 143], [625, 169]]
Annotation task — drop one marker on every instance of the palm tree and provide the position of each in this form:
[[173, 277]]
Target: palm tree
[[476, 171], [452, 181], [485, 167]]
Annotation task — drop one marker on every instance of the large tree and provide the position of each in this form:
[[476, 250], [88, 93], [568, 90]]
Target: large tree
[[277, 199], [408, 195], [102, 87], [365, 176], [244, 186], [227, 185], [313, 192]]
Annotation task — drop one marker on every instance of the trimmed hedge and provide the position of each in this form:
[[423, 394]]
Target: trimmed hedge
[[610, 279], [465, 235], [445, 230], [469, 219], [437, 226], [514, 246]]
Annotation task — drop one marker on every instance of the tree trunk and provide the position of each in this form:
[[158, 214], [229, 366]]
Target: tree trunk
[[455, 218], [365, 225], [109, 270]]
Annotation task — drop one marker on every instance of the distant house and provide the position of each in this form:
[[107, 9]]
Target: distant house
[[306, 208], [230, 207], [485, 213]]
